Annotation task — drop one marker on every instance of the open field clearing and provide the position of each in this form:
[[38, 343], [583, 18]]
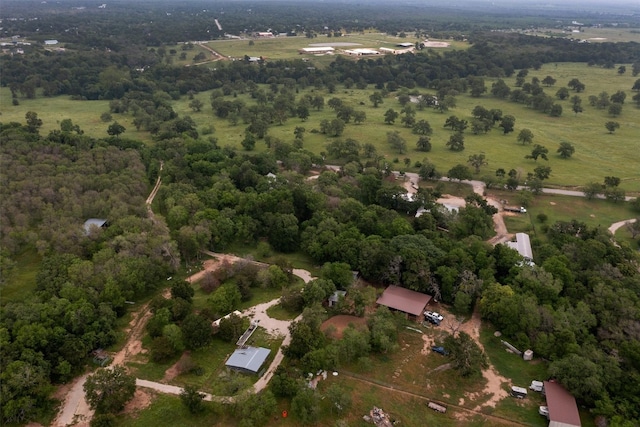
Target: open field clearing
[[287, 47], [598, 153]]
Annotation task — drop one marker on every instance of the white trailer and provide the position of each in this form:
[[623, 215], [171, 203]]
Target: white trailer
[[518, 392], [437, 408]]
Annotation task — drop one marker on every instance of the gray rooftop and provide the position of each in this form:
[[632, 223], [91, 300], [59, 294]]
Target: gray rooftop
[[98, 222], [522, 245], [248, 359]]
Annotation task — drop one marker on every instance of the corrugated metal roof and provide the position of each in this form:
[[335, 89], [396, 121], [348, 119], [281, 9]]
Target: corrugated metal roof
[[248, 359], [522, 245], [403, 299], [563, 410]]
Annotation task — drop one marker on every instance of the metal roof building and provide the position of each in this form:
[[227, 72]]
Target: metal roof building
[[405, 300], [522, 245], [563, 411], [317, 49], [248, 359]]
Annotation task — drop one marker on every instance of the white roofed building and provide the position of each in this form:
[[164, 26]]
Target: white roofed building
[[361, 52], [317, 50]]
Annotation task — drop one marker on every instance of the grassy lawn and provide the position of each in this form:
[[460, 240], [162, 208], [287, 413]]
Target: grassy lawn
[[281, 313], [511, 365], [21, 283], [260, 295], [168, 410], [214, 377], [595, 213]]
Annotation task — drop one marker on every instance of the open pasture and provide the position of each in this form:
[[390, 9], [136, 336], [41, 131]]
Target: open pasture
[[287, 47], [598, 153]]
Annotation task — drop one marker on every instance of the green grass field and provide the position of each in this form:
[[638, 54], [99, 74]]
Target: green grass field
[[595, 213], [598, 153]]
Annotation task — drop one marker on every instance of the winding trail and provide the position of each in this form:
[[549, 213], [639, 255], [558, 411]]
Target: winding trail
[[617, 225], [258, 312]]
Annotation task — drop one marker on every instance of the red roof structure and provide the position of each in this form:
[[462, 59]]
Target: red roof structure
[[404, 300], [563, 410]]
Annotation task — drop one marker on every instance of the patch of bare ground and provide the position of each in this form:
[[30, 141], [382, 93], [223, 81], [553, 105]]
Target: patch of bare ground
[[428, 342], [493, 391], [141, 400], [174, 370], [337, 324]]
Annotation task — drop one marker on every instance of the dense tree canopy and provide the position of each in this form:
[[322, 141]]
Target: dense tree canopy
[[578, 307]]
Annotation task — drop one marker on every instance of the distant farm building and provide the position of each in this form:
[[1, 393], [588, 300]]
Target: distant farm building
[[50, 42], [405, 44], [317, 50], [523, 246], [405, 300], [563, 410], [361, 52], [263, 34], [94, 222], [396, 51], [248, 360]]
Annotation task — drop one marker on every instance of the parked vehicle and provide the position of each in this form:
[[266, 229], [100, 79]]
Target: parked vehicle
[[437, 408], [518, 209], [536, 385], [433, 317], [544, 411], [518, 392], [438, 349]]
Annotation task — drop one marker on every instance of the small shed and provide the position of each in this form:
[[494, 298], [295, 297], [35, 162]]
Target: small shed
[[248, 359], [333, 299], [405, 300], [563, 410]]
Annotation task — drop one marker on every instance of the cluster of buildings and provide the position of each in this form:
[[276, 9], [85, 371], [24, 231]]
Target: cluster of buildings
[[324, 50]]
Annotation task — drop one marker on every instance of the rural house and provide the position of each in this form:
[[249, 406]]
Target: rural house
[[248, 359]]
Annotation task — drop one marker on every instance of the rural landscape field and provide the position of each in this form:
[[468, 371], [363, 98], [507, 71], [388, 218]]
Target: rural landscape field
[[298, 213]]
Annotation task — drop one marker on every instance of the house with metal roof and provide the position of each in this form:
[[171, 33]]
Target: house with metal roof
[[248, 359], [523, 246], [563, 410], [405, 300]]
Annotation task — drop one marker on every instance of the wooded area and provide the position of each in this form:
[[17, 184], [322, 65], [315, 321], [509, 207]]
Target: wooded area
[[579, 307]]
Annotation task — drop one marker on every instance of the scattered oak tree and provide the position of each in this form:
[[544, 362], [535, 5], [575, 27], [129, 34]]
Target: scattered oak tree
[[466, 356], [525, 136], [612, 126], [108, 390], [566, 150]]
